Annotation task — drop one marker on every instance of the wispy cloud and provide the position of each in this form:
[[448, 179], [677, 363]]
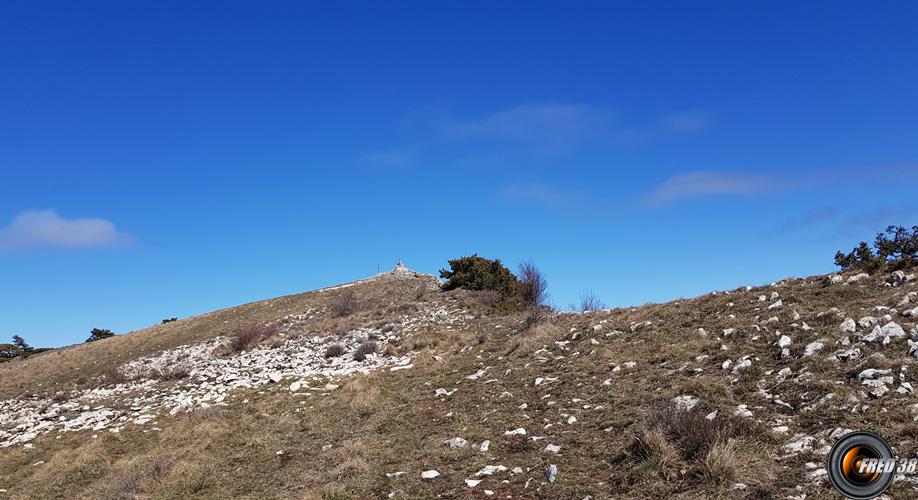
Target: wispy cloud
[[540, 194], [556, 126], [705, 183], [686, 121], [45, 228], [818, 217], [394, 158], [710, 183]]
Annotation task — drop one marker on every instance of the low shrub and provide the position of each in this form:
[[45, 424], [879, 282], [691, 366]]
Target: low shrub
[[534, 316], [588, 302], [345, 303], [175, 372], [334, 350], [533, 285], [245, 337], [364, 349], [112, 375]]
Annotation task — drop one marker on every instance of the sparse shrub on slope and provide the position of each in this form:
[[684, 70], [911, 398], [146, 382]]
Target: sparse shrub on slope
[[533, 285], [896, 248], [365, 349], [251, 335], [175, 372], [673, 441], [535, 315], [345, 303], [99, 334], [334, 350], [588, 302]]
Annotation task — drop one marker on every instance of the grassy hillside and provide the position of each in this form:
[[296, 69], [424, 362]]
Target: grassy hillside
[[691, 398]]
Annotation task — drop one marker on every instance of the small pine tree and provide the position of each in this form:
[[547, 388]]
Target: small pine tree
[[99, 334], [21, 344]]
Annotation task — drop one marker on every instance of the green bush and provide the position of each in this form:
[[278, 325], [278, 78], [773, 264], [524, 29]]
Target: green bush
[[18, 348], [99, 334], [896, 248], [479, 273]]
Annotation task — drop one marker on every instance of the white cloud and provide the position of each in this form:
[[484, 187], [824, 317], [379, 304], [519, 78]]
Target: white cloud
[[390, 158], [686, 121], [709, 183], [44, 228], [543, 125], [537, 193]]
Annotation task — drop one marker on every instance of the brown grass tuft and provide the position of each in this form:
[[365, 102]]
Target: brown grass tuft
[[365, 349], [719, 467], [345, 303], [251, 335]]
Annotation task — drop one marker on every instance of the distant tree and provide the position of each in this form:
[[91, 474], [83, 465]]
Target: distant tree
[[99, 334], [861, 258], [478, 273], [896, 248], [21, 344], [533, 285]]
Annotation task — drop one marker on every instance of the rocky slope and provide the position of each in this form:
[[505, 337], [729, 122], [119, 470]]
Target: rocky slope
[[736, 393]]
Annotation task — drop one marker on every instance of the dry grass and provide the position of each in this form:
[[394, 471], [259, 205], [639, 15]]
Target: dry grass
[[719, 467], [175, 372], [345, 303], [633, 447], [249, 336]]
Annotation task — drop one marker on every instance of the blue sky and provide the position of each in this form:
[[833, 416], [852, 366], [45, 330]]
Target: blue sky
[[168, 158]]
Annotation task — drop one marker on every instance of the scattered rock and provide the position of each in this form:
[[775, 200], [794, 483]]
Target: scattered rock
[[551, 473], [847, 326], [812, 348], [490, 470], [898, 278], [685, 402], [457, 442], [802, 444], [857, 277]]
